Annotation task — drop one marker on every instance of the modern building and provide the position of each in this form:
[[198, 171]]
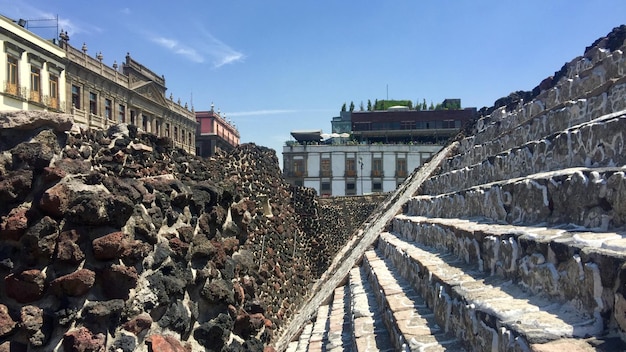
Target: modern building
[[42, 74], [32, 70], [383, 147], [214, 133]]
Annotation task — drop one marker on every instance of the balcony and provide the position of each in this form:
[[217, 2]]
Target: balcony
[[14, 90], [326, 173], [401, 173], [377, 173], [350, 173]]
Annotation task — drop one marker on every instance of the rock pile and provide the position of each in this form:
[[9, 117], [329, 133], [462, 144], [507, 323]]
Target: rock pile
[[114, 240]]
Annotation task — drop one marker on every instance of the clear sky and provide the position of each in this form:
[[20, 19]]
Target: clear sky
[[273, 66]]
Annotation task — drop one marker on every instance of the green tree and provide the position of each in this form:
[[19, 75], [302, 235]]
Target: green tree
[[369, 105], [431, 106], [361, 107], [410, 105], [424, 106], [343, 107], [418, 105], [351, 106]]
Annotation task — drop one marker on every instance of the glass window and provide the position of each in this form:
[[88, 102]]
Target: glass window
[[93, 103], [76, 97], [377, 167], [54, 91], [350, 188], [350, 167], [298, 167], [377, 186], [325, 167], [107, 108], [35, 84], [401, 168], [12, 75], [121, 113]]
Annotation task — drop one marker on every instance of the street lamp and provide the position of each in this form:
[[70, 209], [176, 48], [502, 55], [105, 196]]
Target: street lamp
[[361, 165]]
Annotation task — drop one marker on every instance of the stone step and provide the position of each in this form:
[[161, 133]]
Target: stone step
[[598, 143], [302, 343], [369, 331], [340, 328], [565, 263], [484, 310], [409, 321], [318, 336], [590, 89], [588, 197]]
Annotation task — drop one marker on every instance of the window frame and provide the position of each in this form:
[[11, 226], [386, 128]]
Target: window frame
[[76, 96], [108, 109], [13, 75], [53, 85], [35, 84], [93, 103]]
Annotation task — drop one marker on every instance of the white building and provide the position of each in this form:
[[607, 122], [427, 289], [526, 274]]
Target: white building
[[370, 151], [337, 170], [32, 70]]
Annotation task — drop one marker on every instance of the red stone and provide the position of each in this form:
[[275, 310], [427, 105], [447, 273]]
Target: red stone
[[111, 246], [138, 324], [26, 286], [53, 174], [160, 343], [240, 295], [7, 324], [179, 247], [83, 340], [14, 226], [75, 284], [55, 200]]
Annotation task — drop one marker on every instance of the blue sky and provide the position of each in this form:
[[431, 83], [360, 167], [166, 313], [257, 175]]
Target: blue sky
[[274, 66]]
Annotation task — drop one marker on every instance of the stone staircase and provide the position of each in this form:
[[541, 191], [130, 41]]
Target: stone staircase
[[516, 242]]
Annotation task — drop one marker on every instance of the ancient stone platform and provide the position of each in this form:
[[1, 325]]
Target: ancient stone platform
[[511, 239]]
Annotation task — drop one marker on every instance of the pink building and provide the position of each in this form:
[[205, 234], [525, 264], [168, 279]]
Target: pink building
[[214, 133]]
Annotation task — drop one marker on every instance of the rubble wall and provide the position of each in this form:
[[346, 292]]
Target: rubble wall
[[115, 240]]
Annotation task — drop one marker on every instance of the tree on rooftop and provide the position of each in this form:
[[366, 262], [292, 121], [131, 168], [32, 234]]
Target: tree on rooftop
[[369, 105], [361, 107], [343, 107], [351, 106]]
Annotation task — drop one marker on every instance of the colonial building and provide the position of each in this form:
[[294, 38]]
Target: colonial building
[[131, 93], [39, 74], [382, 148], [32, 70], [214, 133]]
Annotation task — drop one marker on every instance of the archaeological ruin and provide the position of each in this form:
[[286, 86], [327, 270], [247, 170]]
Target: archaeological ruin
[[509, 239]]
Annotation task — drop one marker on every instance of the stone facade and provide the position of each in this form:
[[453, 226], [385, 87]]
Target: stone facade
[[40, 75], [100, 96]]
